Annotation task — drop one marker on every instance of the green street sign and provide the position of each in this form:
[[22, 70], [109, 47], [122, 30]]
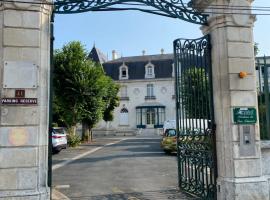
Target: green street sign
[[244, 115]]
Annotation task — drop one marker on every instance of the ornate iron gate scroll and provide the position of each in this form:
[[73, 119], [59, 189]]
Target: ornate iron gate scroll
[[195, 117]]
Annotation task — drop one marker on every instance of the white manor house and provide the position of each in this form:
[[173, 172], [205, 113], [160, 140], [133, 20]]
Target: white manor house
[[146, 94]]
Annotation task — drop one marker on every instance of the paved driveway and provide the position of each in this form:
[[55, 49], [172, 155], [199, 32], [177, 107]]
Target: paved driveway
[[133, 169]]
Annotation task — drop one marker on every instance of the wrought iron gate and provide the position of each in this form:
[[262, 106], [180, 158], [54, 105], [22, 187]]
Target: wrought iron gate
[[262, 73], [195, 117]]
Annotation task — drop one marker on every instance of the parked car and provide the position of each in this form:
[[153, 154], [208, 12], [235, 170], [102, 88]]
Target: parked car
[[169, 124], [169, 141], [59, 139]]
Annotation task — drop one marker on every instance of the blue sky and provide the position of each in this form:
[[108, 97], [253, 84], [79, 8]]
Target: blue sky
[[130, 32]]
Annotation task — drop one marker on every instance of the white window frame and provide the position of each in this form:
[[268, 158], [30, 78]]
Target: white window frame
[[147, 67], [173, 70], [123, 91], [121, 68], [150, 90], [123, 117]]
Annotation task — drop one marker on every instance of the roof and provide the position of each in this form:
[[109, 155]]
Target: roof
[[136, 66], [145, 58], [97, 56], [150, 105]]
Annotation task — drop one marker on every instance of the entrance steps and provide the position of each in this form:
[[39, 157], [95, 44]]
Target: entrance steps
[[113, 132], [148, 132]]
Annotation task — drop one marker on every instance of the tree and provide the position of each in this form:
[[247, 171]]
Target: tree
[[195, 92], [111, 99], [83, 93], [93, 105], [68, 62]]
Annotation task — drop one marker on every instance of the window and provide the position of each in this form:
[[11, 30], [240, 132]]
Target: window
[[123, 116], [150, 116], [149, 70], [124, 110], [123, 91], [123, 72], [150, 90], [161, 116]]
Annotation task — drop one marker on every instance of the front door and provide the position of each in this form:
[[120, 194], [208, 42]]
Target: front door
[[150, 117]]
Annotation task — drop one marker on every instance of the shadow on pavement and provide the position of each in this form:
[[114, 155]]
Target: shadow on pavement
[[148, 195]]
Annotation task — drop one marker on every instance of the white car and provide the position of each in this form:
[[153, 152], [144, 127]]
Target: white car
[[169, 124], [59, 139]]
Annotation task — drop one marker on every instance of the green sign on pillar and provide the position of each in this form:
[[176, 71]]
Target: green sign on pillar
[[244, 115]]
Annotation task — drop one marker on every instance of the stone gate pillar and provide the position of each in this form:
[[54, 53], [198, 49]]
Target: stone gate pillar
[[24, 75], [238, 150]]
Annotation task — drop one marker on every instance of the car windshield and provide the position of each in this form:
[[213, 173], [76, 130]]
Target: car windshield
[[59, 131], [171, 133]]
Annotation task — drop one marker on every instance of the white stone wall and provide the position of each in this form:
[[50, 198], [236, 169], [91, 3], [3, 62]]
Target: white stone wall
[[25, 37], [163, 91], [239, 173]]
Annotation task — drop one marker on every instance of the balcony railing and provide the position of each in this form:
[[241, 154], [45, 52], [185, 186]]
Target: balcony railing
[[124, 98], [150, 97]]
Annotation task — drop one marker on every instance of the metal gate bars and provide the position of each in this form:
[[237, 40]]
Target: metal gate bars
[[195, 117], [262, 73]]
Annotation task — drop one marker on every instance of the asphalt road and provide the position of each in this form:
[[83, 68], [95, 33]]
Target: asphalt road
[[133, 169]]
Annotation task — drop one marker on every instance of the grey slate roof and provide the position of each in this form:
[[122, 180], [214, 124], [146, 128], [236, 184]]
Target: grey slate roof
[[145, 58], [97, 56], [136, 66]]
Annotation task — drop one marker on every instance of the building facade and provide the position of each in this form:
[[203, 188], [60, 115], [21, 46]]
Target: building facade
[[146, 91]]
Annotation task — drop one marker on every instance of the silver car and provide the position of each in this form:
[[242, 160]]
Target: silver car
[[59, 139]]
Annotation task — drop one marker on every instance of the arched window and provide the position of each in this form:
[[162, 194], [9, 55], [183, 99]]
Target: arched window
[[124, 110], [123, 117], [123, 72], [149, 70]]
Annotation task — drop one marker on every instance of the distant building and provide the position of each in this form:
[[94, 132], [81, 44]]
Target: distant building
[[147, 90], [261, 76]]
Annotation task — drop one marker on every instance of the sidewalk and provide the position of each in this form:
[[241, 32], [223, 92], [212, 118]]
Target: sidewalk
[[56, 195]]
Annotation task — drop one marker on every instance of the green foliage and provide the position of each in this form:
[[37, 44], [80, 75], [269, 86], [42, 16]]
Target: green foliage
[[264, 133], [111, 99], [73, 140], [195, 92], [83, 93], [68, 63]]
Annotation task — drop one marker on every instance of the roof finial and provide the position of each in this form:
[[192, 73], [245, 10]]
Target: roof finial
[[94, 45], [162, 51], [143, 52]]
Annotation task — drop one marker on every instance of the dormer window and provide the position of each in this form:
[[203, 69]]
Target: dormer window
[[149, 70], [123, 72]]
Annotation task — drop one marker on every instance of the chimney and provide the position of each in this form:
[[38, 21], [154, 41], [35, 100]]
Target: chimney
[[114, 55], [162, 51], [143, 52]]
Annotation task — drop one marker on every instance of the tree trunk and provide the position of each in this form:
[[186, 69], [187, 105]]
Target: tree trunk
[[72, 130], [85, 131], [91, 135]]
